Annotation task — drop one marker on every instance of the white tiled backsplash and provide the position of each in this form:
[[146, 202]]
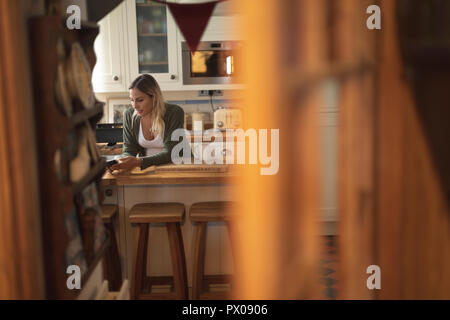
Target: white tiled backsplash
[[189, 101], [190, 108]]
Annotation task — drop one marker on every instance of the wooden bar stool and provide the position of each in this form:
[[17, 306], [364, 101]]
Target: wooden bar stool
[[111, 266], [201, 213], [142, 215]]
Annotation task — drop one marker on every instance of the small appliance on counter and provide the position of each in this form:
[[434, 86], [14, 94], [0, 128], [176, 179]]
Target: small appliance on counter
[[109, 138], [227, 118]]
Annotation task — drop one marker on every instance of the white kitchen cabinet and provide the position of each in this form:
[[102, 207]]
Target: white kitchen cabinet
[[141, 37], [152, 43], [223, 24], [111, 70]]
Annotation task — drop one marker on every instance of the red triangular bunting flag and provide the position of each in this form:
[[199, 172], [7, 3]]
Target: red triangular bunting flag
[[192, 20]]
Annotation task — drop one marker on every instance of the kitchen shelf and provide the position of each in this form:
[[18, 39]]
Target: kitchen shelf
[[94, 172], [152, 34], [53, 127], [156, 63], [149, 5]]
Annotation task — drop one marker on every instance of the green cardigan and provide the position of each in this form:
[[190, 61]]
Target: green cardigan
[[173, 119]]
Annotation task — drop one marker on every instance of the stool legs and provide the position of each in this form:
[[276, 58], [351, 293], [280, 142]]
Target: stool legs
[[199, 259], [178, 260], [112, 267], [139, 260], [231, 235], [198, 272], [139, 276]]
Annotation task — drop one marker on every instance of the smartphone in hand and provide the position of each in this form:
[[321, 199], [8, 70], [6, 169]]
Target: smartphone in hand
[[111, 163]]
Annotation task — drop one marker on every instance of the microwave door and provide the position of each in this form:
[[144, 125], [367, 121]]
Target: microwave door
[[208, 66], [187, 79]]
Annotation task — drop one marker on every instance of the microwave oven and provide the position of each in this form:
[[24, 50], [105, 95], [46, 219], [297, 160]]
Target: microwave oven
[[213, 62]]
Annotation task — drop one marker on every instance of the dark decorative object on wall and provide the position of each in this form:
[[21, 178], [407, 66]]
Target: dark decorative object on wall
[[69, 165], [191, 18], [424, 32]]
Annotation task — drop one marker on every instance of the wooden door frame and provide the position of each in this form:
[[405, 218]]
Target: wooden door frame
[[21, 266]]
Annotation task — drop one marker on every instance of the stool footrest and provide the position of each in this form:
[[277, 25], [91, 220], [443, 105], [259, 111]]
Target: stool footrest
[[109, 211], [160, 281]]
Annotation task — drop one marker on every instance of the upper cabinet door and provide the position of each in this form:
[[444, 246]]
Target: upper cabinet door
[[224, 23], [152, 42], [110, 73]]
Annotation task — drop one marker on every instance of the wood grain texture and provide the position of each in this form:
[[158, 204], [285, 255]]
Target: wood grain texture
[[192, 168], [202, 213], [159, 260], [180, 282], [21, 271], [275, 240], [157, 212], [141, 284], [171, 214], [199, 244], [169, 178], [53, 128], [109, 212], [296, 214], [413, 235], [356, 147], [210, 211], [178, 168], [139, 274]]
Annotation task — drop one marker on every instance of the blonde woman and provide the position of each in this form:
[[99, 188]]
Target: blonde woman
[[148, 126]]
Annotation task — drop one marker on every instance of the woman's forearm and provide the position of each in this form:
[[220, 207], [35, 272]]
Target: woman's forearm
[[162, 157]]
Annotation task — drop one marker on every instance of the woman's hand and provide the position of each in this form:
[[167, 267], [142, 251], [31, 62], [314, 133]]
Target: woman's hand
[[126, 164]]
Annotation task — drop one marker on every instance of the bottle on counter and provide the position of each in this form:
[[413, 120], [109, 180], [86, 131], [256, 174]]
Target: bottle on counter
[[197, 121]]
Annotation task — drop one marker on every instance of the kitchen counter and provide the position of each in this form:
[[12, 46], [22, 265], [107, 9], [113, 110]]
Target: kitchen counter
[[172, 183], [173, 174]]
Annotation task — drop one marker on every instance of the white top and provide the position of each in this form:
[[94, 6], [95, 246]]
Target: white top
[[151, 146]]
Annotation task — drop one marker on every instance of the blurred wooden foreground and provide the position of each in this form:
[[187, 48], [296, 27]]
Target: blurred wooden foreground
[[393, 206], [393, 209]]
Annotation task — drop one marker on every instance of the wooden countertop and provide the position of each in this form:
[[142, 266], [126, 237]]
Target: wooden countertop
[[172, 174]]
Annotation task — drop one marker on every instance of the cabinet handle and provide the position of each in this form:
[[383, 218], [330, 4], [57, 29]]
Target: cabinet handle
[[108, 192], [115, 78], [172, 77]]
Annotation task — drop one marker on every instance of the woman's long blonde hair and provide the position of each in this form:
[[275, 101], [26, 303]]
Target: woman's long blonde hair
[[148, 85]]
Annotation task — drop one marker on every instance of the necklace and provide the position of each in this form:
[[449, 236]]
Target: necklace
[[147, 129]]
